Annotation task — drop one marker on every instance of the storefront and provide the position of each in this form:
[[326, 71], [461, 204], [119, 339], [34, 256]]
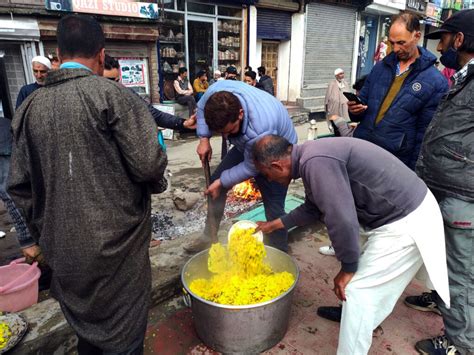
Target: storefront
[[199, 36], [131, 37], [19, 42], [374, 26]]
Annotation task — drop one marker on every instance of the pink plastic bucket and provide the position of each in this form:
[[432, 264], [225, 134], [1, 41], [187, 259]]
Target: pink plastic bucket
[[18, 285]]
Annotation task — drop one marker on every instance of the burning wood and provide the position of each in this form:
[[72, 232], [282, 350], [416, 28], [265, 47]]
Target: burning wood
[[247, 190]]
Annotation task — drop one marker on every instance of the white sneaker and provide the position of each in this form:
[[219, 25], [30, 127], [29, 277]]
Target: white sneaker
[[327, 250]]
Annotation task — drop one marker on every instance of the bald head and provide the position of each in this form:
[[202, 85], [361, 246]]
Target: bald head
[[271, 148]]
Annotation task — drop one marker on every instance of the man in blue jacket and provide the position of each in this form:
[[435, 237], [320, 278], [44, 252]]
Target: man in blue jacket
[[401, 94], [243, 114]]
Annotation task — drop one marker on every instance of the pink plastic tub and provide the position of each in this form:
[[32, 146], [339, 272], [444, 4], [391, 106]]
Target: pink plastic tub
[[18, 285]]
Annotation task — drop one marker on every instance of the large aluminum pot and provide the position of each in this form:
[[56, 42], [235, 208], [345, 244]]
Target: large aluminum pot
[[240, 329]]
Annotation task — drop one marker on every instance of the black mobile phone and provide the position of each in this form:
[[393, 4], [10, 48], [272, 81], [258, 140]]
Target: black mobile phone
[[352, 97]]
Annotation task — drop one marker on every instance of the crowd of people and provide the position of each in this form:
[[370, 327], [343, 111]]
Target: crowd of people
[[405, 184]]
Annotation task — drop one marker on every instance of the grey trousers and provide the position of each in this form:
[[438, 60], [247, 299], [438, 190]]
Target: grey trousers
[[458, 216]]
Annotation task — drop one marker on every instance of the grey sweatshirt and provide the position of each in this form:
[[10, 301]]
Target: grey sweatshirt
[[349, 182]]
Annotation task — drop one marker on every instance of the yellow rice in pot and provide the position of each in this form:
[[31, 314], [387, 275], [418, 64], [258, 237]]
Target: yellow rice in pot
[[241, 277]]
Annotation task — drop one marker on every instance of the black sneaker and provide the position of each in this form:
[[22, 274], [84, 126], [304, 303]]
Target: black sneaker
[[425, 302], [331, 313], [436, 346]]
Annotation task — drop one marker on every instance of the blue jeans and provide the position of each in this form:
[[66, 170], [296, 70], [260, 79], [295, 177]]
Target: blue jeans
[[24, 237], [273, 195]]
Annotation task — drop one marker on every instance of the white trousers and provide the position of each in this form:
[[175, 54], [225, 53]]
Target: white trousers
[[389, 261]]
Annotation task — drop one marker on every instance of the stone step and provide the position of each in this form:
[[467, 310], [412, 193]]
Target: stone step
[[316, 109], [313, 101]]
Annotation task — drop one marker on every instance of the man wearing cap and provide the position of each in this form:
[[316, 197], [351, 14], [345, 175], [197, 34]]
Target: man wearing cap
[[335, 103], [41, 66], [400, 94], [446, 164], [231, 73]]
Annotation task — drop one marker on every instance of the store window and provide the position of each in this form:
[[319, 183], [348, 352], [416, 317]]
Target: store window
[[212, 41], [229, 11], [229, 49], [201, 8]]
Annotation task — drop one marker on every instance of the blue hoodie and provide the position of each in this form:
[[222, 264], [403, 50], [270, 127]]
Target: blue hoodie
[[263, 115], [402, 128]]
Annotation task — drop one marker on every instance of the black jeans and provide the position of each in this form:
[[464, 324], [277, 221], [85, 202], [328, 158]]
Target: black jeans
[[187, 101], [273, 195]]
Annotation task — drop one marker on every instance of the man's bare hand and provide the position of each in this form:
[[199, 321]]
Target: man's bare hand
[[268, 227], [190, 123], [355, 108], [214, 189], [33, 254], [204, 149], [340, 282]]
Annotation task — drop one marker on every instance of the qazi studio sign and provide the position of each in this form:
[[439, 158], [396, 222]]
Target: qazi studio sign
[[127, 8]]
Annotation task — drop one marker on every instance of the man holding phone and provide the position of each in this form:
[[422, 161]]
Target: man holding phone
[[400, 95]]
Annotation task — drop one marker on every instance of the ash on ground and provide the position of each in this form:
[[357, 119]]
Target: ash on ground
[[169, 223]]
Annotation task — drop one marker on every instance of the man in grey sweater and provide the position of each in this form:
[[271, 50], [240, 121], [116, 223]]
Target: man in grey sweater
[[354, 185]]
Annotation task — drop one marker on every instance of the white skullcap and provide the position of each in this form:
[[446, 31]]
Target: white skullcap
[[217, 72], [42, 60], [338, 71]]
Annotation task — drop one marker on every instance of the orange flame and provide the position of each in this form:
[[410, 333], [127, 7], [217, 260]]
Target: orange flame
[[247, 190]]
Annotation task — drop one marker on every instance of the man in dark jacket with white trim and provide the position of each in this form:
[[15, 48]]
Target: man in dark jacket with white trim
[[400, 95], [446, 164]]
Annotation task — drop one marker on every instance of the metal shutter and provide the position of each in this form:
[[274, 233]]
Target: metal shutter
[[272, 24], [329, 42]]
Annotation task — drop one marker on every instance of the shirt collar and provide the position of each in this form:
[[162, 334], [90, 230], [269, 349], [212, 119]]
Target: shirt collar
[[73, 65], [295, 162], [461, 74]]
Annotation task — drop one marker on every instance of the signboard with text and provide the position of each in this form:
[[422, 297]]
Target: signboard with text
[[127, 8]]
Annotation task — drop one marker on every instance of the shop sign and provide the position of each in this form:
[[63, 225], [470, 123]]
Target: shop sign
[[127, 8], [433, 14], [416, 5], [133, 72]]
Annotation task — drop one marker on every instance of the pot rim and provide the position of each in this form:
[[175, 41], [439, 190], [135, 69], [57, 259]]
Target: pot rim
[[254, 305]]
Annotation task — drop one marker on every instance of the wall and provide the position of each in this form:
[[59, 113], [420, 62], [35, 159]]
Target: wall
[[283, 78], [296, 56]]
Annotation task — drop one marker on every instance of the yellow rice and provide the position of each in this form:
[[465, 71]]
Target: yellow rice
[[241, 277]]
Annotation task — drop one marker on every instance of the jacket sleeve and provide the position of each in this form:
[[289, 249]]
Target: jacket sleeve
[[166, 120], [202, 129], [425, 116], [136, 135], [364, 97], [20, 185], [302, 215]]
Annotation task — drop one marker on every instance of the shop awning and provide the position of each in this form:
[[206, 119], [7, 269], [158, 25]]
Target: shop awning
[[19, 29]]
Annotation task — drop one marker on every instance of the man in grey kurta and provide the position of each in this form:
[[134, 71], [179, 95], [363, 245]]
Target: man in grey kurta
[[85, 159], [335, 103]]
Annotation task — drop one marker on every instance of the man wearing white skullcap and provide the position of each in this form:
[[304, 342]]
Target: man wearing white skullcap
[[41, 65], [335, 103]]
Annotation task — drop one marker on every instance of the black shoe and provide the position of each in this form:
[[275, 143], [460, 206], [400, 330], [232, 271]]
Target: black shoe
[[331, 313], [426, 302], [436, 346]]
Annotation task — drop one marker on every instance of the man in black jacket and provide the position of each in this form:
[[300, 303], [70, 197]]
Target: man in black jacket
[[265, 82], [446, 164]]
